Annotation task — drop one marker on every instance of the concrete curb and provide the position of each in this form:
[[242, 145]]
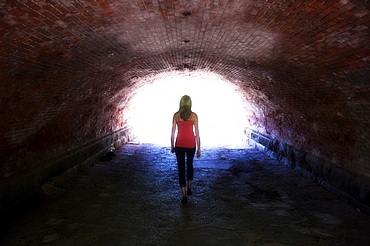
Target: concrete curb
[[18, 188], [351, 187]]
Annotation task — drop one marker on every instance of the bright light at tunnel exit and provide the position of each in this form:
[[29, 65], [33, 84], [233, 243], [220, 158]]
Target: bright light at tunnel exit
[[220, 108]]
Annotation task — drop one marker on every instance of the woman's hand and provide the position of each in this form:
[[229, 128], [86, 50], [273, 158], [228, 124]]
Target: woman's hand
[[198, 154], [172, 150]]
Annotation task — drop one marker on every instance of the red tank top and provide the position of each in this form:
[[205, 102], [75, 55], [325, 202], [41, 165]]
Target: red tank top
[[185, 134]]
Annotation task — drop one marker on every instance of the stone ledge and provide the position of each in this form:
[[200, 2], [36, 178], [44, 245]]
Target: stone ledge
[[17, 188], [352, 188]]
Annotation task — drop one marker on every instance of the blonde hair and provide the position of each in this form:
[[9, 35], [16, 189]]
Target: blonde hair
[[185, 107]]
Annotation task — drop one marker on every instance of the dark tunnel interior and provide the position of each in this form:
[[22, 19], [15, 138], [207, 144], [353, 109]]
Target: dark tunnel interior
[[70, 70]]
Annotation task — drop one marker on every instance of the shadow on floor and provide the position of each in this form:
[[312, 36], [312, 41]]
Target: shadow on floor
[[241, 197]]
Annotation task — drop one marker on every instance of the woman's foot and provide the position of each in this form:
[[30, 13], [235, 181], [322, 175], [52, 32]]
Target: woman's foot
[[184, 199], [189, 192]]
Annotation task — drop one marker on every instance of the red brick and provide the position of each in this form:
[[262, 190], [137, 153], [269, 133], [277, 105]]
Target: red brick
[[293, 57]]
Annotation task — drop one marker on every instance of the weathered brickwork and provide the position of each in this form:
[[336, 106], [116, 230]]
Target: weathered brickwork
[[68, 69]]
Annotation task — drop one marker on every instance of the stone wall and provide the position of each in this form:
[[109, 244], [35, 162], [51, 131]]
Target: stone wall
[[352, 187]]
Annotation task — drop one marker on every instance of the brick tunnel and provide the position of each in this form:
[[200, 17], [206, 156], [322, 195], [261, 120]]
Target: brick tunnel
[[70, 69]]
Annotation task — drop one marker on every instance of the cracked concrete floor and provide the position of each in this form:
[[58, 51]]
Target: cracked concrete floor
[[241, 197]]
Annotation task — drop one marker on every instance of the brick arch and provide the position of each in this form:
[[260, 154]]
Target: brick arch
[[69, 67]]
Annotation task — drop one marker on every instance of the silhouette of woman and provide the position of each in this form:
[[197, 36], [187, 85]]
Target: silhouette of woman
[[187, 142]]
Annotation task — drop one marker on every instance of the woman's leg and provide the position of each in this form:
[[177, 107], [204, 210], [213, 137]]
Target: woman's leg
[[190, 168], [180, 155]]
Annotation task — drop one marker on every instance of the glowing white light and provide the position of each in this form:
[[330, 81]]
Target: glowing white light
[[220, 109]]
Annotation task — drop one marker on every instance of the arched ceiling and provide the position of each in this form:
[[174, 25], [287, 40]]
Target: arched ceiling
[[68, 67], [147, 36]]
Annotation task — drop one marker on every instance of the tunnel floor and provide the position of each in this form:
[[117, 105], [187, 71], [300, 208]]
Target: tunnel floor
[[241, 197]]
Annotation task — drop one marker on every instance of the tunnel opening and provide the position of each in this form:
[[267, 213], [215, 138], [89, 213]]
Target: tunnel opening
[[221, 108]]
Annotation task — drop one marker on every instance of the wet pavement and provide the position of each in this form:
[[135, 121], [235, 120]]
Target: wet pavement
[[240, 197]]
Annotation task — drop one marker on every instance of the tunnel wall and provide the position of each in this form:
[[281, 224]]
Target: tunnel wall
[[68, 70], [352, 187], [18, 188]]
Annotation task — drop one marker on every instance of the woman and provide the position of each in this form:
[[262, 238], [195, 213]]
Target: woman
[[187, 141]]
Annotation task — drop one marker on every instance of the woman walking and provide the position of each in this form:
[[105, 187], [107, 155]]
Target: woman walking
[[187, 142]]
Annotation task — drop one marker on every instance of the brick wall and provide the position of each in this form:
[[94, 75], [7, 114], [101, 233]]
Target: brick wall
[[68, 69]]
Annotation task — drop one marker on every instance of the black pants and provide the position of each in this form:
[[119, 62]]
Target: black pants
[[180, 155]]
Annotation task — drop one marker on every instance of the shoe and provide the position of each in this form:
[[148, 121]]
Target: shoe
[[189, 192], [184, 200]]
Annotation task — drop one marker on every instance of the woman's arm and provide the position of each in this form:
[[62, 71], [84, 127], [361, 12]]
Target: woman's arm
[[197, 137], [173, 134]]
